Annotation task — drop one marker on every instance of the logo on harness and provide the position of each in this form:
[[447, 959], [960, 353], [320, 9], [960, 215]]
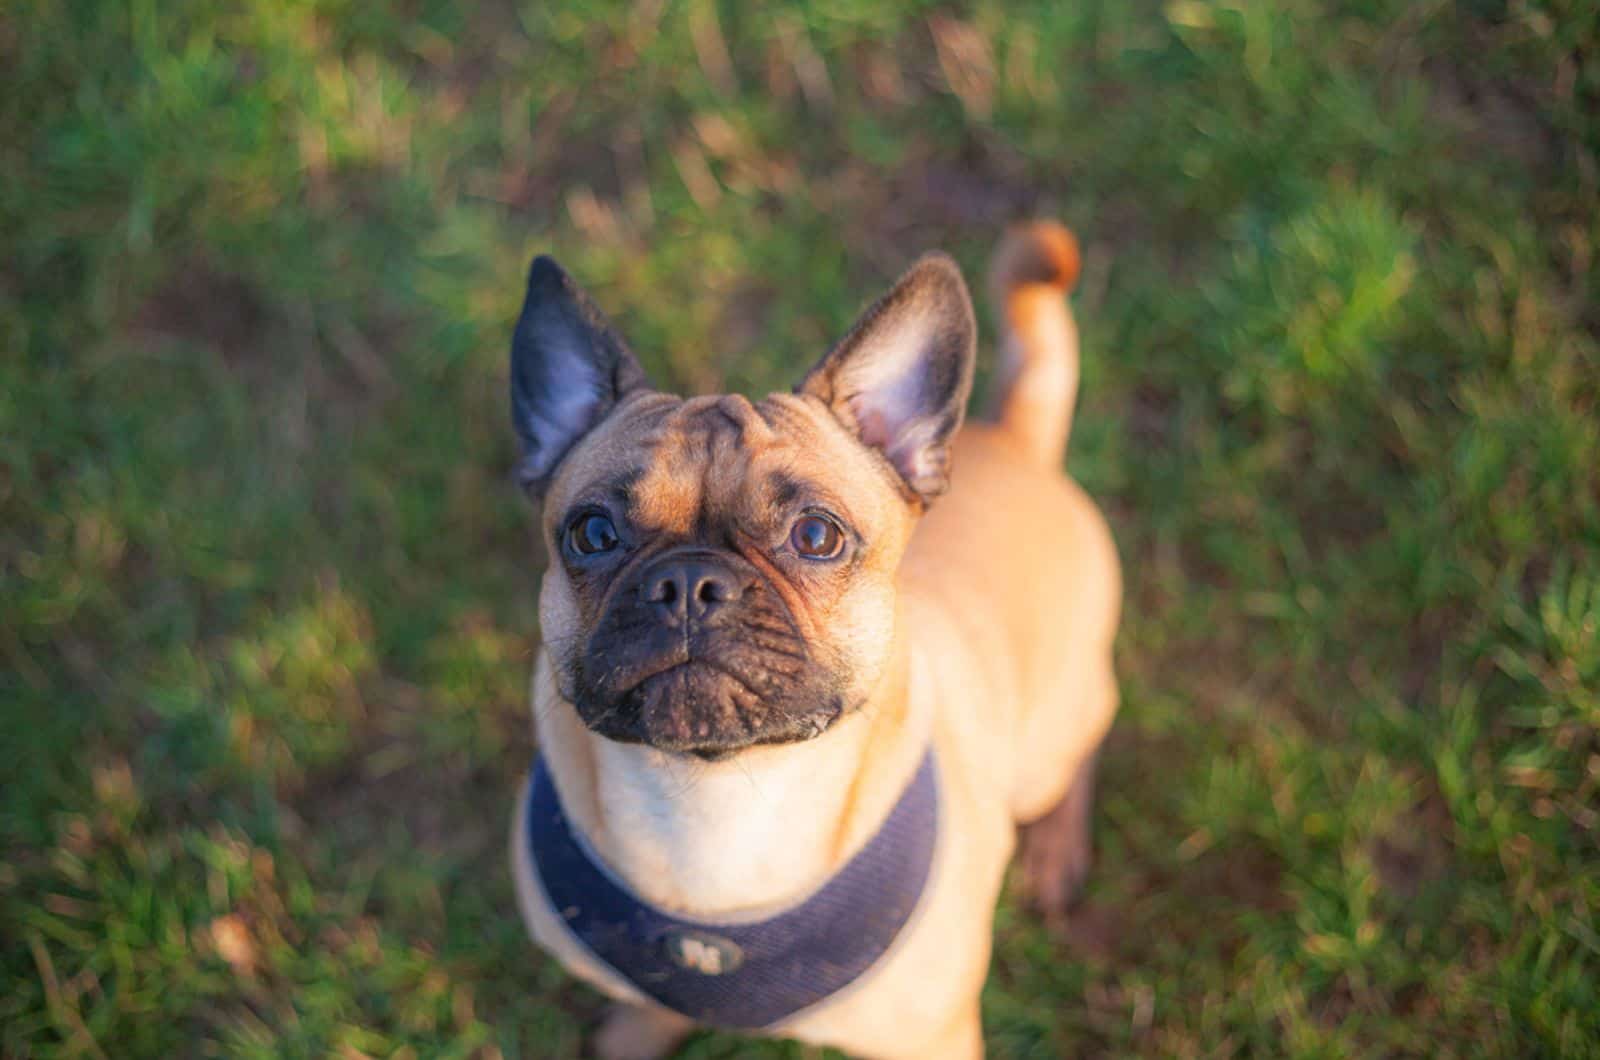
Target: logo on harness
[[697, 951]]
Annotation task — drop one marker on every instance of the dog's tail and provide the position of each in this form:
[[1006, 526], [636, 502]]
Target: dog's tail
[[1034, 267]]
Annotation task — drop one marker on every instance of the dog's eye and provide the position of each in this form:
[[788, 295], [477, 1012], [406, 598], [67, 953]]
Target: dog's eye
[[816, 537], [592, 534]]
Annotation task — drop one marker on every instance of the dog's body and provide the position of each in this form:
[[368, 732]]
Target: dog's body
[[986, 632]]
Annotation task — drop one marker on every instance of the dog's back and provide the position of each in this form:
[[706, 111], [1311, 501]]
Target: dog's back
[[1039, 582]]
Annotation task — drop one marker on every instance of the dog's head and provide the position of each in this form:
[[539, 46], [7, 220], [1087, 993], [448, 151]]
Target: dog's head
[[722, 573]]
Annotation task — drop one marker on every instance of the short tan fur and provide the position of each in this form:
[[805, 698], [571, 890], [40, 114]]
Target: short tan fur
[[980, 617]]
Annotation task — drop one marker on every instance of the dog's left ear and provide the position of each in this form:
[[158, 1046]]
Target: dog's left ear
[[900, 379], [569, 368]]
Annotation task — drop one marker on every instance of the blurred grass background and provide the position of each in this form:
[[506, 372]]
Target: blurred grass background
[[267, 590]]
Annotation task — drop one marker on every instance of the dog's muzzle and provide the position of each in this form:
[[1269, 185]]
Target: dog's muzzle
[[698, 654]]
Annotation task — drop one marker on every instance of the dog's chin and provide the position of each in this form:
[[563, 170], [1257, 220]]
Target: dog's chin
[[697, 708]]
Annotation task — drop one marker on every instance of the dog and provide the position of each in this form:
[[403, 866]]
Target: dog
[[808, 663]]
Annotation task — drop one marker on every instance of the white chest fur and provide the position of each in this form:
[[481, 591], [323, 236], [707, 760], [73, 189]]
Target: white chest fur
[[732, 837], [725, 837]]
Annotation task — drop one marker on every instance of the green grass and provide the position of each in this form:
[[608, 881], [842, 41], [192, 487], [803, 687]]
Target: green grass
[[267, 589]]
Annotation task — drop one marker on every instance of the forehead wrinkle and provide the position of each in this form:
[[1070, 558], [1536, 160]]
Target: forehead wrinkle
[[697, 448], [749, 420], [730, 431]]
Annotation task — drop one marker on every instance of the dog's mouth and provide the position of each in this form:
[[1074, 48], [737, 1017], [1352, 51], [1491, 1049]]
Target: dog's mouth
[[708, 708]]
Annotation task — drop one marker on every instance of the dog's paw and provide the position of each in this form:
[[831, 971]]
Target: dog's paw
[[1056, 851], [632, 1032], [1052, 867]]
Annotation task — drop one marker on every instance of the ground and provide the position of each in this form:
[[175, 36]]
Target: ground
[[267, 586]]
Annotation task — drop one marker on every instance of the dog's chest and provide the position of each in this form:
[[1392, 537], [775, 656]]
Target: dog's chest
[[755, 970], [723, 836]]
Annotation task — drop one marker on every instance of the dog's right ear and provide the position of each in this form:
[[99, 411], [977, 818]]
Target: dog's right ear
[[569, 368]]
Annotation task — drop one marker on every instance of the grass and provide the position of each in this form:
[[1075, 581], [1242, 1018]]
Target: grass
[[267, 591]]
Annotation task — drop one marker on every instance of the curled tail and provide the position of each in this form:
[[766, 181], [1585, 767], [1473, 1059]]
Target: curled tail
[[1034, 267]]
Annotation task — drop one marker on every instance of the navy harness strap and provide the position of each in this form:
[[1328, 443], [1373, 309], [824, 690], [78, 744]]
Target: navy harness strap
[[752, 974]]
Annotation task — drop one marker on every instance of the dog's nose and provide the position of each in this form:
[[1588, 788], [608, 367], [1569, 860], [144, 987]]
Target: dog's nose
[[689, 587]]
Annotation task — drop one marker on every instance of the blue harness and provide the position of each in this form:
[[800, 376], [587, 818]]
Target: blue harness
[[743, 974]]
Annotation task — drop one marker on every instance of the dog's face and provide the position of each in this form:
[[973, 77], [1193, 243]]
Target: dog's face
[[722, 573]]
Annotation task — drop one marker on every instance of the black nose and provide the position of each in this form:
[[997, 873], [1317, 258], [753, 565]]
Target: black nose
[[689, 587]]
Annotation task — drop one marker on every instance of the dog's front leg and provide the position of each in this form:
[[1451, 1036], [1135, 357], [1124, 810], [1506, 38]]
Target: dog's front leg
[[634, 1032]]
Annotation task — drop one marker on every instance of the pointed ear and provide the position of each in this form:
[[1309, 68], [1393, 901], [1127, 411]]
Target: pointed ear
[[568, 370], [901, 377]]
